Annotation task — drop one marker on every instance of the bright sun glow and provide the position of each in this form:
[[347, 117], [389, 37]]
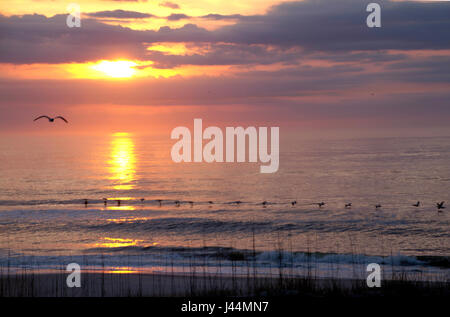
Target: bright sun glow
[[123, 162], [116, 69]]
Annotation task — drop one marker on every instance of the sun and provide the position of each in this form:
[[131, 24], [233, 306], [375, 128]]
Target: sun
[[116, 69]]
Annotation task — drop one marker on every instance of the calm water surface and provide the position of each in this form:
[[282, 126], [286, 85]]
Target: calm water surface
[[45, 224]]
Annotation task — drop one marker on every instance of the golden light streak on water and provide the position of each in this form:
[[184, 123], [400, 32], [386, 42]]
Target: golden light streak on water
[[122, 164]]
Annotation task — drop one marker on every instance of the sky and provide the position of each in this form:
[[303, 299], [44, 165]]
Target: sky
[[310, 65]]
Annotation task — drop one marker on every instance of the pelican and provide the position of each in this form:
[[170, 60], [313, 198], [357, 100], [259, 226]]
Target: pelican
[[377, 206], [119, 202], [210, 202], [320, 204], [264, 203], [51, 119], [440, 205], [177, 203], [85, 202], [159, 201], [348, 205], [293, 203], [105, 201], [417, 204], [142, 200], [238, 202]]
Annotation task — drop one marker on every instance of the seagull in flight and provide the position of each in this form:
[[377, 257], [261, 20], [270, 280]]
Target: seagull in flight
[[440, 205], [51, 119], [417, 204]]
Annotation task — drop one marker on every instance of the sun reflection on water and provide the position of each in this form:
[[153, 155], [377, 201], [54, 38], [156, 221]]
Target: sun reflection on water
[[129, 219], [122, 164], [120, 270], [121, 208], [117, 243]]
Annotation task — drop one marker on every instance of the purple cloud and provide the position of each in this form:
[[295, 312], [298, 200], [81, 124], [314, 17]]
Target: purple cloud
[[169, 4], [120, 14]]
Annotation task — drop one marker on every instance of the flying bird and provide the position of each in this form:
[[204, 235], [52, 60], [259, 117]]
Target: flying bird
[[293, 203], [349, 205], [51, 119], [321, 204], [377, 206], [440, 205], [417, 204]]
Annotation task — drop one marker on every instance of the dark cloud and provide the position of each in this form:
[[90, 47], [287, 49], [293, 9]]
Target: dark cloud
[[430, 69], [376, 56], [225, 54], [120, 14], [324, 25], [354, 74], [319, 26], [37, 39], [277, 87], [222, 17], [329, 30], [177, 17]]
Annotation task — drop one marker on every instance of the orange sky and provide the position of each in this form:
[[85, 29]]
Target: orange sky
[[228, 62]]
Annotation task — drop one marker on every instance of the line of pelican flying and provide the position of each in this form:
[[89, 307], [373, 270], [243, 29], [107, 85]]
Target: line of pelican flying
[[439, 205]]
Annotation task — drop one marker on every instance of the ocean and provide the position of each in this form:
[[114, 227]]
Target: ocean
[[45, 223]]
